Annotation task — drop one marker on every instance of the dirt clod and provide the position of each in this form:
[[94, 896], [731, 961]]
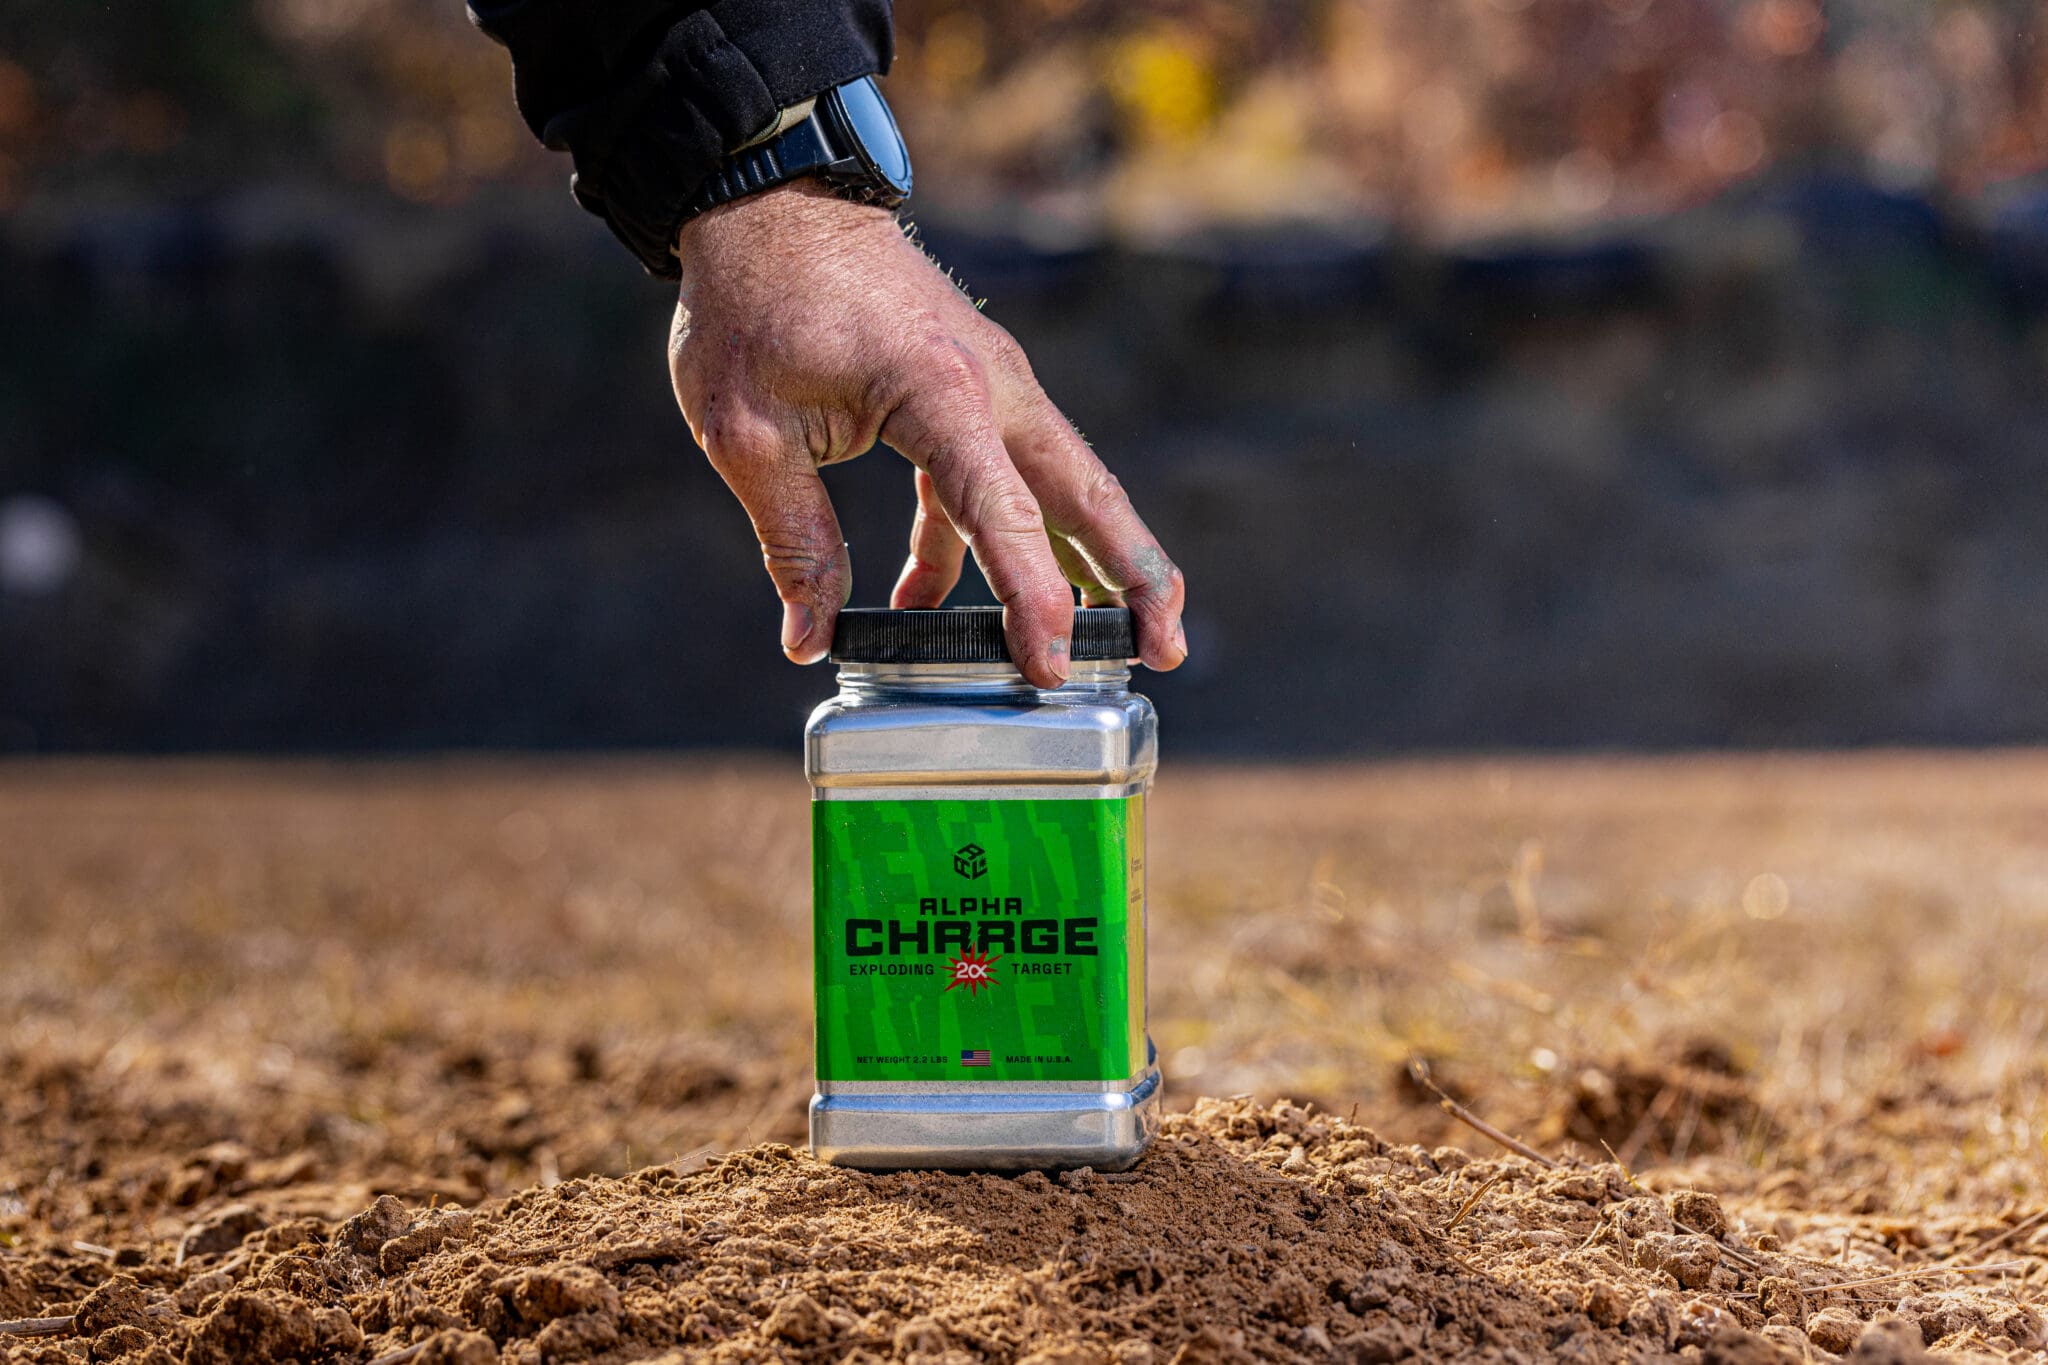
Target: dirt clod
[[1892, 1341], [540, 1296], [458, 1348], [1642, 1216], [1730, 1345], [1606, 1304], [1687, 1257], [249, 1326], [425, 1236], [798, 1320], [369, 1230], [1780, 1296], [1381, 1346], [1834, 1329], [120, 1302], [222, 1231], [1697, 1211]]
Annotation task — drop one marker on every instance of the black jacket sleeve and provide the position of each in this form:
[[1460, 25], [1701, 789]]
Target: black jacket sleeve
[[647, 96]]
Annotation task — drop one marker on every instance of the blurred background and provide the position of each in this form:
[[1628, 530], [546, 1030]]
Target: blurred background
[[1504, 373]]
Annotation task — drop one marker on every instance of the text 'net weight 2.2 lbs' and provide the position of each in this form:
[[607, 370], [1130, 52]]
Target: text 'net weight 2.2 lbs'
[[978, 855]]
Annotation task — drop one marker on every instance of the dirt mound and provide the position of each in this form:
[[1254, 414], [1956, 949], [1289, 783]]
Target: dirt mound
[[292, 1064], [1248, 1233], [1664, 1113]]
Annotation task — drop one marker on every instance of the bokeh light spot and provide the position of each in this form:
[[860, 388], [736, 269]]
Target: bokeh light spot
[[1766, 897], [1164, 87], [40, 546], [1783, 28], [17, 98], [1734, 143], [416, 159]]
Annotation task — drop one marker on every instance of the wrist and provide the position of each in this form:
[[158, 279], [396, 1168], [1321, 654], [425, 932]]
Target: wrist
[[843, 150], [802, 213]]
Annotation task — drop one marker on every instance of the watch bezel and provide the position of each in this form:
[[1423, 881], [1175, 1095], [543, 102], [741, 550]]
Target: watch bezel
[[848, 132]]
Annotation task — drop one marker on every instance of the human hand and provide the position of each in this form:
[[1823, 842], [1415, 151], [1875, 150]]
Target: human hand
[[808, 326]]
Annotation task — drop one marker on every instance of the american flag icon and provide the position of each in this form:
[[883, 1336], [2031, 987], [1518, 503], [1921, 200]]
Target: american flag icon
[[974, 1056]]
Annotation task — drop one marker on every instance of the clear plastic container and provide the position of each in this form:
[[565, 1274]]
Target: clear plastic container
[[978, 848]]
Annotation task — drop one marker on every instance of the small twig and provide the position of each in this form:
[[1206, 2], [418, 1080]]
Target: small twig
[[1920, 1272], [93, 1249], [1419, 1069], [1437, 1239], [1752, 1295], [37, 1327], [1485, 1129], [1740, 1257], [2015, 1230], [1473, 1202]]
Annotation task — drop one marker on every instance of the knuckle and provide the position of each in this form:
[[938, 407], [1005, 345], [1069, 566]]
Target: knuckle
[[947, 369], [732, 440], [799, 567], [1056, 599], [1040, 605], [1158, 577], [725, 448], [1006, 354], [678, 339], [1006, 511], [1102, 495]]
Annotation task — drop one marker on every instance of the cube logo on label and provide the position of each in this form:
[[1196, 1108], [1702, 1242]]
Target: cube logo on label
[[971, 862]]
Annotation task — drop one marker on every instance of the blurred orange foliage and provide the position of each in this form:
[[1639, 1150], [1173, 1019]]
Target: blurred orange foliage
[[1447, 116]]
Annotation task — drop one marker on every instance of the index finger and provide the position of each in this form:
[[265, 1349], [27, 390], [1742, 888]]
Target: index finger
[[801, 543]]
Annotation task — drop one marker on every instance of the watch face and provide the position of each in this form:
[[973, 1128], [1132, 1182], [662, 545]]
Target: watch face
[[880, 145]]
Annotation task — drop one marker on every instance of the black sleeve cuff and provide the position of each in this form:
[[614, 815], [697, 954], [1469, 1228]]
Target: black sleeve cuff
[[701, 86]]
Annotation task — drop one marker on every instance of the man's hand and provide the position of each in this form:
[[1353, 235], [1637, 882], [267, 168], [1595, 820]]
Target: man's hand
[[809, 326]]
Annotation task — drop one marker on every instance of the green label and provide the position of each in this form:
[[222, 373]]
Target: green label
[[979, 940]]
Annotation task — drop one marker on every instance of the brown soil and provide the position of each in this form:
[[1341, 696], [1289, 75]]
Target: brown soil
[[479, 1064]]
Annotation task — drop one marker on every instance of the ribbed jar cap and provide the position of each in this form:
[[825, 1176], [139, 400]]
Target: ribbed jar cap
[[966, 635]]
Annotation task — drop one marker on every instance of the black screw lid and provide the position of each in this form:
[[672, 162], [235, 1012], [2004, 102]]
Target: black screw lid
[[965, 635]]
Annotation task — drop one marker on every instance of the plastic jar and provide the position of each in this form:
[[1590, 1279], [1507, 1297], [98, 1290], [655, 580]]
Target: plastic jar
[[978, 854]]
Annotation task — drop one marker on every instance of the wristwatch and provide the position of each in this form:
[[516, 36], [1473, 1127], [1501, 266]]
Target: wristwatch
[[849, 141]]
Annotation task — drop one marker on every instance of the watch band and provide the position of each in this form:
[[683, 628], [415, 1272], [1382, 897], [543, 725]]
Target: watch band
[[798, 152]]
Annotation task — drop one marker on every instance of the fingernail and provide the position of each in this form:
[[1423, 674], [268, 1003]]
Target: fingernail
[[796, 626], [1180, 639], [1056, 658]]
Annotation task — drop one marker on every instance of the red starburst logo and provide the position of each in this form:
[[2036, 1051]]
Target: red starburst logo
[[971, 969]]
